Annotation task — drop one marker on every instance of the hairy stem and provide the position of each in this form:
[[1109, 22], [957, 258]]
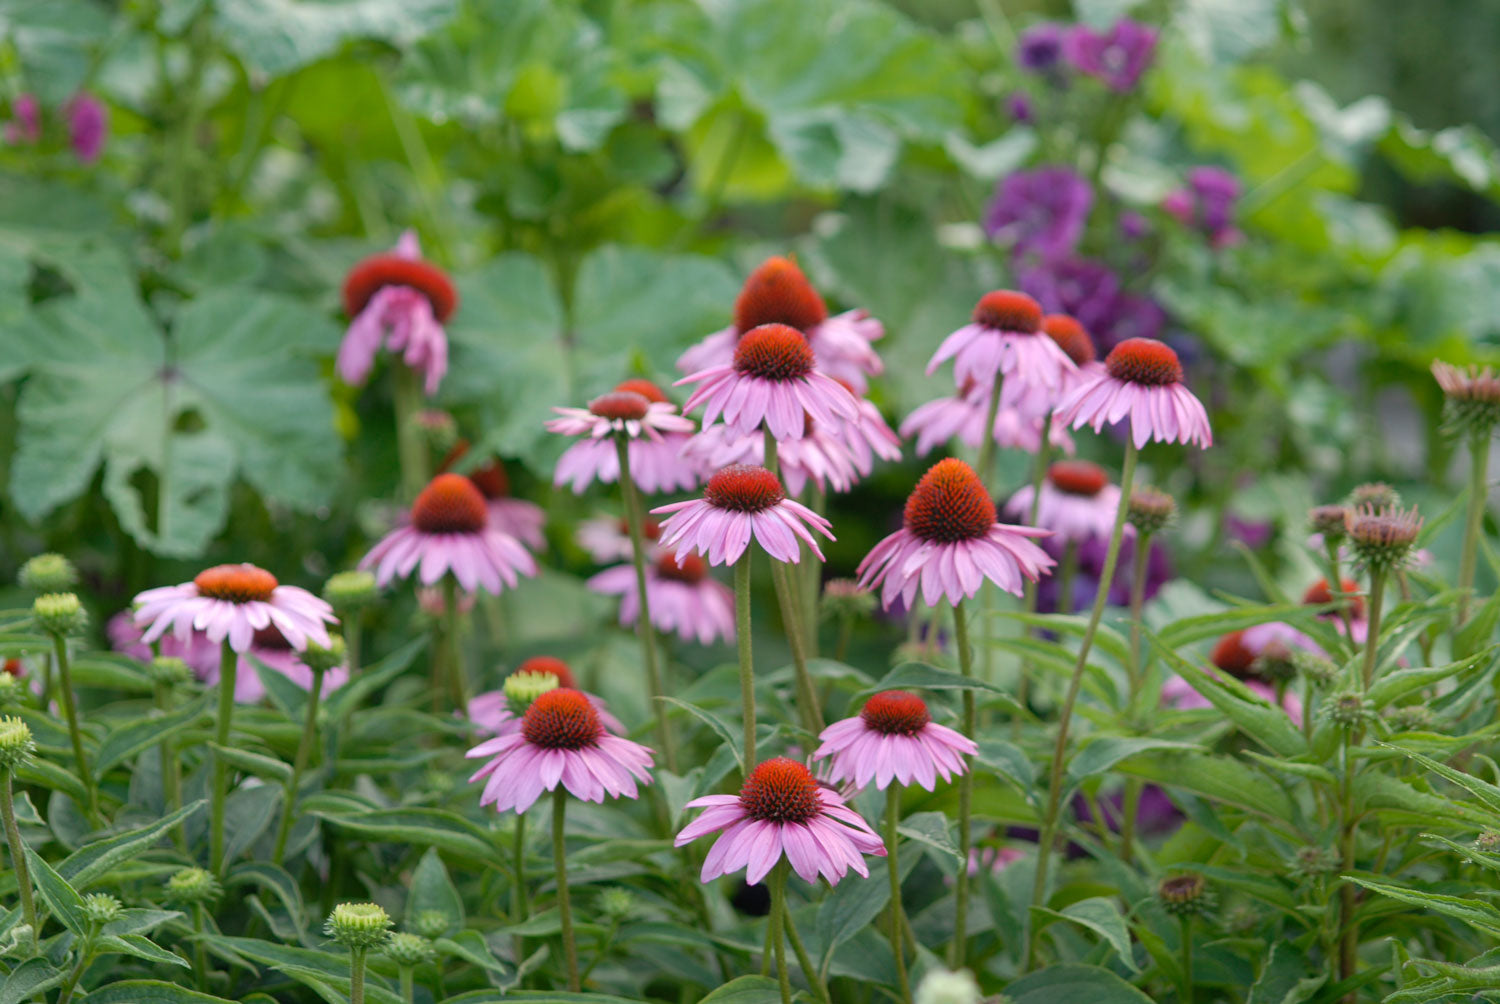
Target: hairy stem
[[356, 976], [411, 452], [1372, 640], [560, 864], [747, 662], [1038, 475], [75, 734], [778, 921], [965, 796], [1479, 462], [18, 856], [520, 908], [636, 517], [452, 651], [1186, 994], [228, 669], [892, 820], [807, 696]]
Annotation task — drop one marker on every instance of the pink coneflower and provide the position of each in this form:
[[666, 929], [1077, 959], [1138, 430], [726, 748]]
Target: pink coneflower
[[88, 126], [819, 456], [962, 416], [741, 502], [403, 301], [1077, 344], [772, 383], [1077, 502], [521, 519], [1142, 381], [951, 543], [561, 741], [782, 810], [682, 597], [868, 436], [233, 602], [1319, 594], [491, 710], [1179, 694], [450, 531], [894, 738], [607, 539], [1005, 340], [656, 434], [777, 292]]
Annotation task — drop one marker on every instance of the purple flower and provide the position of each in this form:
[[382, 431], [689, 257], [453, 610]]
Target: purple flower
[[1207, 204], [1130, 316], [1041, 211], [1041, 47], [1080, 287], [26, 127], [1117, 58], [1018, 107], [88, 126], [1133, 226]]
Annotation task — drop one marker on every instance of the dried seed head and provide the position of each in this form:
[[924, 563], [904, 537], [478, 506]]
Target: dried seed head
[[1383, 538], [1150, 510], [1472, 398], [1184, 895]]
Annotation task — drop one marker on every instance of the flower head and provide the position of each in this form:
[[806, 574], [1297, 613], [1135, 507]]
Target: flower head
[[1375, 494], [26, 127], [405, 949], [1117, 57], [962, 416], [1207, 204], [450, 533], [400, 300], [1150, 509], [193, 885], [1184, 894], [561, 741], [607, 538], [655, 435], [1328, 520], [1382, 538], [741, 502], [1004, 341], [358, 925], [88, 126], [1076, 501], [16, 745], [1318, 594], [1040, 47], [1472, 396], [684, 600], [893, 738], [501, 711], [1040, 212], [233, 602], [782, 810], [1143, 382], [59, 614], [950, 543]]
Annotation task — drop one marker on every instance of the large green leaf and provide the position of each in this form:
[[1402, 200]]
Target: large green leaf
[[745, 990], [54, 42], [1474, 912], [1069, 984], [92, 861], [278, 36], [150, 992]]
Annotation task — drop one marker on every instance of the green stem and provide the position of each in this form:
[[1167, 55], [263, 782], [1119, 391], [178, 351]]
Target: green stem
[[814, 979], [70, 708], [85, 956], [892, 838], [411, 451], [846, 632], [404, 974], [965, 797], [299, 764], [452, 654], [778, 920], [812, 578], [18, 857], [1372, 640], [1048, 834], [636, 518], [1066, 574], [1137, 603], [171, 770], [789, 600], [200, 950], [1479, 462], [1038, 475], [560, 863], [356, 976], [1186, 994], [519, 905], [747, 662], [228, 669], [1348, 942], [987, 445]]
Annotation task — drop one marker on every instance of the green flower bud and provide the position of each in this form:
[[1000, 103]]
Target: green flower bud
[[1185, 895], [12, 691], [358, 925], [350, 592], [438, 429], [192, 886], [99, 908], [431, 923], [941, 986], [171, 672], [16, 745], [1348, 709], [1488, 842], [1317, 669], [59, 614], [1472, 404], [1150, 510], [1274, 662], [616, 903], [409, 949], [1410, 718], [320, 659], [844, 598], [1314, 862], [523, 688], [48, 573]]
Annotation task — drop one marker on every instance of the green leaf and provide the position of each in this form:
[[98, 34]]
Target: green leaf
[[357, 692], [281, 885], [258, 764], [921, 676], [110, 672], [150, 992], [93, 861], [138, 946], [29, 979], [54, 42], [745, 990], [432, 889], [1394, 686], [306, 965], [1230, 30], [1009, 761], [138, 921], [713, 721], [1283, 979], [1267, 725], [61, 898], [470, 946], [931, 829], [1487, 793], [1218, 778], [1103, 917], [1071, 984], [1474, 912], [123, 743], [276, 37], [1193, 629], [1102, 753], [422, 827]]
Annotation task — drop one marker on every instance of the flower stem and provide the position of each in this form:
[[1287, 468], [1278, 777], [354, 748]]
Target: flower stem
[[812, 578], [778, 921], [356, 976], [1185, 995], [1067, 574], [404, 974], [1479, 462], [228, 667], [807, 695], [1137, 603], [18, 856], [171, 770], [299, 764], [411, 452], [987, 445], [1336, 590], [814, 979], [1059, 750], [452, 654], [200, 949], [1372, 639], [892, 819], [965, 797], [747, 662], [636, 517], [519, 905], [70, 708], [1038, 475], [560, 863]]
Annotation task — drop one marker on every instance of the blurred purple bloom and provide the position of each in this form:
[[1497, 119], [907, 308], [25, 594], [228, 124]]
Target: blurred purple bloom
[[1130, 316], [25, 127], [88, 126], [1207, 204], [1091, 563], [1254, 534], [1133, 226], [1117, 58], [1041, 47], [1042, 211], [1081, 287], [1018, 107]]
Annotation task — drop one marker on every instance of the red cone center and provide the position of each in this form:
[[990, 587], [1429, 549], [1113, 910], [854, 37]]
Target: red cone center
[[236, 583], [1144, 361], [744, 488], [781, 791], [778, 293], [774, 352], [562, 719], [1007, 310], [1231, 654], [1071, 338], [623, 405], [645, 388], [450, 503], [950, 504], [693, 568], [1077, 477], [1318, 593], [378, 271], [896, 713]]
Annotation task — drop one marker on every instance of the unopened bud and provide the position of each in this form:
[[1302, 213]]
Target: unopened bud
[[16, 745], [409, 949], [350, 592], [48, 573], [1184, 895], [522, 688], [358, 925], [431, 923], [192, 886], [59, 614], [320, 659], [100, 908], [170, 672], [1150, 509]]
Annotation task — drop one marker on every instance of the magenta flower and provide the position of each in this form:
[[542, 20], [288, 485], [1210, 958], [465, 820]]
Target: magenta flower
[[1040, 47], [233, 602], [778, 292], [450, 532], [741, 502], [894, 738], [1040, 212], [951, 543], [1143, 382], [523, 520], [684, 600], [561, 741], [402, 301], [607, 539], [962, 416], [819, 456], [1077, 502], [25, 128], [88, 126], [1178, 693], [1005, 341], [491, 710], [656, 434], [1207, 204], [1117, 58], [782, 810], [772, 384]]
